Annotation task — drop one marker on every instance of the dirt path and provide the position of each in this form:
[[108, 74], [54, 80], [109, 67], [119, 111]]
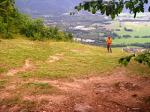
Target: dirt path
[[55, 58], [28, 66], [116, 92]]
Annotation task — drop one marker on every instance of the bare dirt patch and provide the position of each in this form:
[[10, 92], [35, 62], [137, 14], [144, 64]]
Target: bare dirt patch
[[116, 92], [55, 58], [80, 51]]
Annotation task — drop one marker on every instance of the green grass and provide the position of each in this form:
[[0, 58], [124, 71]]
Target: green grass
[[138, 69], [131, 40], [139, 29], [77, 59]]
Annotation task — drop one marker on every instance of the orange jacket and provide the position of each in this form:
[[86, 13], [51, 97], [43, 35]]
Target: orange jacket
[[109, 40]]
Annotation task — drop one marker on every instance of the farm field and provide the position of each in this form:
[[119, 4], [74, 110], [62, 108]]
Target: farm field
[[131, 40], [131, 32], [137, 29]]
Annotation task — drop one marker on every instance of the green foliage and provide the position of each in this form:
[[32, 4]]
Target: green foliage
[[2, 25], [125, 60], [143, 58], [113, 7], [7, 8], [7, 12], [36, 30], [32, 28]]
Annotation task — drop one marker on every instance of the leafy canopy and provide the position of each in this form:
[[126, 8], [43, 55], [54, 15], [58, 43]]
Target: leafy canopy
[[7, 7], [113, 7]]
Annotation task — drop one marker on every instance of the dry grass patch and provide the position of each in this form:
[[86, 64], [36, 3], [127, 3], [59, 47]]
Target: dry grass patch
[[37, 88], [2, 84]]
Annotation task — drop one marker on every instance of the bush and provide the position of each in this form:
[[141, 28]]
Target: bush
[[136, 37], [3, 29], [143, 58], [34, 29], [126, 36], [129, 30], [145, 36], [125, 60], [2, 25]]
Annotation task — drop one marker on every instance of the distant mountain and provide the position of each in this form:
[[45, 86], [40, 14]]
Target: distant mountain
[[46, 7]]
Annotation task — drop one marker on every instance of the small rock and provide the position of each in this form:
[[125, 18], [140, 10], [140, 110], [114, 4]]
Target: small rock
[[83, 108], [4, 107], [136, 109], [134, 95]]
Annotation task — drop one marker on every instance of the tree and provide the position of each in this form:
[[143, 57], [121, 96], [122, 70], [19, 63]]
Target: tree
[[7, 12], [143, 58], [113, 7], [7, 7]]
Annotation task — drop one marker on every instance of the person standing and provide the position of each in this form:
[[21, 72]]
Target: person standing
[[109, 42]]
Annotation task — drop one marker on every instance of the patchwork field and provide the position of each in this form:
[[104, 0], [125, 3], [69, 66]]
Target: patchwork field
[[132, 32], [131, 40], [138, 29]]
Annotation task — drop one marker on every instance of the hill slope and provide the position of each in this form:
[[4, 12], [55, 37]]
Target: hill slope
[[63, 76], [49, 57]]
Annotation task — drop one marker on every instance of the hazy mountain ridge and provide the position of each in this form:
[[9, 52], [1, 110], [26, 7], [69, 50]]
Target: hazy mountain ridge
[[47, 7], [50, 7]]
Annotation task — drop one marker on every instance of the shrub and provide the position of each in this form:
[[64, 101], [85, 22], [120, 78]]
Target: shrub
[[143, 58], [126, 36], [34, 29]]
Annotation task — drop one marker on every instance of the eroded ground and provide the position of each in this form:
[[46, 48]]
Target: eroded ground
[[114, 91]]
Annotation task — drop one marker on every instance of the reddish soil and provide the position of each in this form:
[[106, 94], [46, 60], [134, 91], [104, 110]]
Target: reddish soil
[[116, 92]]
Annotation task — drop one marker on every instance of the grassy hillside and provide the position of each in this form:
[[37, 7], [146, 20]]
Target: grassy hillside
[[56, 59], [34, 73]]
